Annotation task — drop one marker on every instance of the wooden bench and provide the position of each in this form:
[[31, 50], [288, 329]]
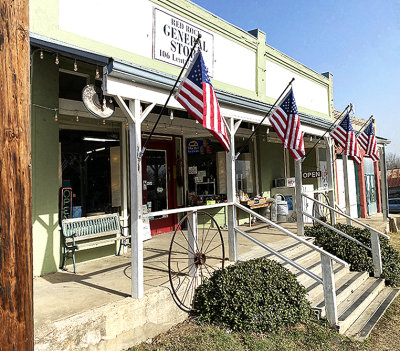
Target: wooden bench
[[89, 232]]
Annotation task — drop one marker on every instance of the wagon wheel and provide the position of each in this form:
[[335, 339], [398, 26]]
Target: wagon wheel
[[191, 259], [321, 212]]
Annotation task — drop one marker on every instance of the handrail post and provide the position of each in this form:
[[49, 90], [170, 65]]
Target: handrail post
[[376, 253], [328, 279], [192, 241], [299, 199]]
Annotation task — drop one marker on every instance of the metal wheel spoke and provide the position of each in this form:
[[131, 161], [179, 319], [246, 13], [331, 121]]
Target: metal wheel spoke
[[213, 249], [181, 270], [211, 241], [210, 266], [187, 291], [215, 258], [202, 245], [187, 239], [184, 248]]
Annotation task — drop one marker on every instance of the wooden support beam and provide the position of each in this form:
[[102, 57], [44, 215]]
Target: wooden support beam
[[135, 169], [231, 192], [16, 271], [384, 188], [146, 112], [346, 187], [331, 178], [299, 198]]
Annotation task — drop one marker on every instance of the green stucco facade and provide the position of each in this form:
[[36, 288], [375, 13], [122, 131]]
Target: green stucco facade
[[45, 178]]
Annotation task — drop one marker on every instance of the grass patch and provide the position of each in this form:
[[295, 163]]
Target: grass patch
[[315, 335]]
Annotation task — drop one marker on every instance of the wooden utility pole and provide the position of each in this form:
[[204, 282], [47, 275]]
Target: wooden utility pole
[[16, 301]]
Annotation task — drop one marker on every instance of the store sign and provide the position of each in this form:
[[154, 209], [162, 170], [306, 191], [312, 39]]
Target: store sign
[[315, 174], [65, 203], [202, 146], [173, 39]]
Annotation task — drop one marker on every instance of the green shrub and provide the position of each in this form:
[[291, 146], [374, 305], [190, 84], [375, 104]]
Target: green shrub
[[360, 259], [257, 295]]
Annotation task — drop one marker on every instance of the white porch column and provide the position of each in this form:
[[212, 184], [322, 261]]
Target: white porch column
[[331, 178], [299, 198], [135, 167], [346, 187], [384, 188], [231, 193], [124, 179]]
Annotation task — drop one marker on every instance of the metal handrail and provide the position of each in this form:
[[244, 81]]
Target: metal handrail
[[186, 209], [276, 253], [294, 236], [347, 216]]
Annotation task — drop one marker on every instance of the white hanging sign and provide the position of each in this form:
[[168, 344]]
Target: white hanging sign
[[173, 38]]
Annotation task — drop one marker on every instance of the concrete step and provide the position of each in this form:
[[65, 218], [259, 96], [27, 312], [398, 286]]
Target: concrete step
[[364, 324], [351, 308], [315, 289], [345, 286]]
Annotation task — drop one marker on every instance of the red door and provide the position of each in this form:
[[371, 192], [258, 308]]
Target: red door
[[159, 190]]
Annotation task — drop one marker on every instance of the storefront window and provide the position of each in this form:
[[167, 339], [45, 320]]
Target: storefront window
[[207, 171], [87, 169], [245, 169], [203, 175]]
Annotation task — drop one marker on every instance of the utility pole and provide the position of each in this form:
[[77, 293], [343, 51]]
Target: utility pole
[[16, 277]]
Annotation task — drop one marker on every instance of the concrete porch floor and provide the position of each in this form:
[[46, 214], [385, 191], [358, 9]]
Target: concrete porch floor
[[103, 286]]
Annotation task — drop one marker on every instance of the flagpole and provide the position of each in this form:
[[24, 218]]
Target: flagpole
[[363, 126], [258, 126], [169, 96], [329, 129]]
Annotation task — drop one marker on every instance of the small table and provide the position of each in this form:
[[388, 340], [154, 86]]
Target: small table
[[255, 206]]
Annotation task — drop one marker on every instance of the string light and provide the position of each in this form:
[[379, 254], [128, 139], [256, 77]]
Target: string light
[[75, 66], [171, 115], [104, 121], [55, 117], [77, 118], [268, 130], [252, 127], [197, 122], [57, 60], [41, 54], [97, 72], [310, 137]]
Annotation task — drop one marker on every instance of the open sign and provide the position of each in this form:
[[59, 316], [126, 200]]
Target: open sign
[[314, 174]]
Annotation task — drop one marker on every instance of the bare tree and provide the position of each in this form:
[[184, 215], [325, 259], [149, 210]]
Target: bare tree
[[392, 161]]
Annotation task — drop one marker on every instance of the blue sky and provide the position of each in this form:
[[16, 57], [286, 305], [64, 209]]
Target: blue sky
[[358, 41]]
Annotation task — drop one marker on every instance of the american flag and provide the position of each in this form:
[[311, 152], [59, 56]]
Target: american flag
[[367, 141], [197, 96], [345, 136], [286, 123]]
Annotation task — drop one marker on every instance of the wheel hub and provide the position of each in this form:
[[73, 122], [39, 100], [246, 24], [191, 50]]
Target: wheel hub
[[200, 258]]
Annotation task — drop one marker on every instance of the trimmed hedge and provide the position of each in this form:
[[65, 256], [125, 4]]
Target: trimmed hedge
[[360, 259], [257, 295]]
